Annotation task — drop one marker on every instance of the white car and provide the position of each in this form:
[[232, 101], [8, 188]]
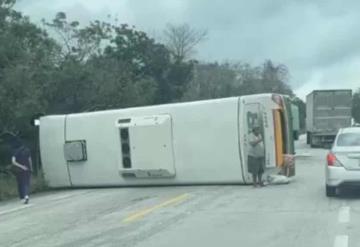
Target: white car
[[343, 160]]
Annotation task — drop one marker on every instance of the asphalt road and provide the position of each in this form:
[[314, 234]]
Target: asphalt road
[[297, 214]]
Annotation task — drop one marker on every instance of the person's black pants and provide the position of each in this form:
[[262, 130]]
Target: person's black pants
[[23, 184]]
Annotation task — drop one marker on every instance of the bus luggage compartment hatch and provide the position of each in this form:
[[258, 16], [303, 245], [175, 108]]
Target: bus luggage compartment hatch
[[147, 147]]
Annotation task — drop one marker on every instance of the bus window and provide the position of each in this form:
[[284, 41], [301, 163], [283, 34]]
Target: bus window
[[254, 117]]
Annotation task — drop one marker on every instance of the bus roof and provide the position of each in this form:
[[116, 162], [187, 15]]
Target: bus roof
[[177, 104]]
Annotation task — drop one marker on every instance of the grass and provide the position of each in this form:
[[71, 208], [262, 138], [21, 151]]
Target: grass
[[8, 186]]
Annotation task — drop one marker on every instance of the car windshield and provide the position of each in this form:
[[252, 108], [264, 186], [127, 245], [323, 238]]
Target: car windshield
[[348, 139]]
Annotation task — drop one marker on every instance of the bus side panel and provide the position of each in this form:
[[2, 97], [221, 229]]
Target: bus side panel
[[103, 149], [51, 149], [205, 142]]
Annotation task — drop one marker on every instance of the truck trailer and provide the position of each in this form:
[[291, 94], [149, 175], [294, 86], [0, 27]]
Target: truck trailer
[[326, 112]]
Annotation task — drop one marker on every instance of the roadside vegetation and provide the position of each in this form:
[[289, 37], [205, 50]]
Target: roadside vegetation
[[8, 187]]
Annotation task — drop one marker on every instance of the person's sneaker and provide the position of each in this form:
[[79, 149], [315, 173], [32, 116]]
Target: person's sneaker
[[26, 200]]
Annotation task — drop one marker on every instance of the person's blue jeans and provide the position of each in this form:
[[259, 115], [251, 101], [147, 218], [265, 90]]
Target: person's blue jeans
[[23, 183]]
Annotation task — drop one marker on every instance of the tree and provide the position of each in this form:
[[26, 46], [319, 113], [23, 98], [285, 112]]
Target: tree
[[145, 58], [25, 58], [76, 42], [275, 77], [26, 62], [223, 80], [356, 106], [123, 63], [6, 11], [114, 85], [210, 81], [181, 40]]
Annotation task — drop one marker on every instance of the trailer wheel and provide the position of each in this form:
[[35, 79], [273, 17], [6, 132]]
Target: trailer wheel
[[308, 137], [330, 191], [312, 145]]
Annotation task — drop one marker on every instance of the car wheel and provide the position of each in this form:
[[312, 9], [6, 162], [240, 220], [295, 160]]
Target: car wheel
[[330, 191], [307, 137]]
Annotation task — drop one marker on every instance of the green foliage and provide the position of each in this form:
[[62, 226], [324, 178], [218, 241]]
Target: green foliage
[[8, 186], [356, 106], [25, 55], [126, 66], [78, 43], [223, 80]]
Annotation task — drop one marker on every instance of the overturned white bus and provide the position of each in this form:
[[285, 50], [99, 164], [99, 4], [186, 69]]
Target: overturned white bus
[[202, 142]]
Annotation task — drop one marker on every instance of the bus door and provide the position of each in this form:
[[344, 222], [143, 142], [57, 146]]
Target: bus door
[[283, 135]]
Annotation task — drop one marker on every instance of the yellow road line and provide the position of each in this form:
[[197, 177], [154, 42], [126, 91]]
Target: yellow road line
[[144, 212]]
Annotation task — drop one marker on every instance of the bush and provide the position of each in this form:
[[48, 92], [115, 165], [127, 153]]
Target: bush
[[8, 186], [38, 183]]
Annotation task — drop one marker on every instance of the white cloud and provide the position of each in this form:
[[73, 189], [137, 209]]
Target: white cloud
[[342, 75]]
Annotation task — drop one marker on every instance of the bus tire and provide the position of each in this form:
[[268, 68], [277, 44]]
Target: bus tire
[[330, 191]]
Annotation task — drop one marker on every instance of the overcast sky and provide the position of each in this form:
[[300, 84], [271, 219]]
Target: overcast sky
[[317, 39]]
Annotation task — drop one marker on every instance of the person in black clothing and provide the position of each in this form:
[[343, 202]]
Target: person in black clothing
[[22, 162]]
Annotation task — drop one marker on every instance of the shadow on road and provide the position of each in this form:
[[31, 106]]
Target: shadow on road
[[349, 193]]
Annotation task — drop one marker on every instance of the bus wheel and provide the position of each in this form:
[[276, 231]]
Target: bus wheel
[[330, 191]]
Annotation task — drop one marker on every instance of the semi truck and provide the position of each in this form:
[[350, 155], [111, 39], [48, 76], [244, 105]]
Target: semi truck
[[326, 112]]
